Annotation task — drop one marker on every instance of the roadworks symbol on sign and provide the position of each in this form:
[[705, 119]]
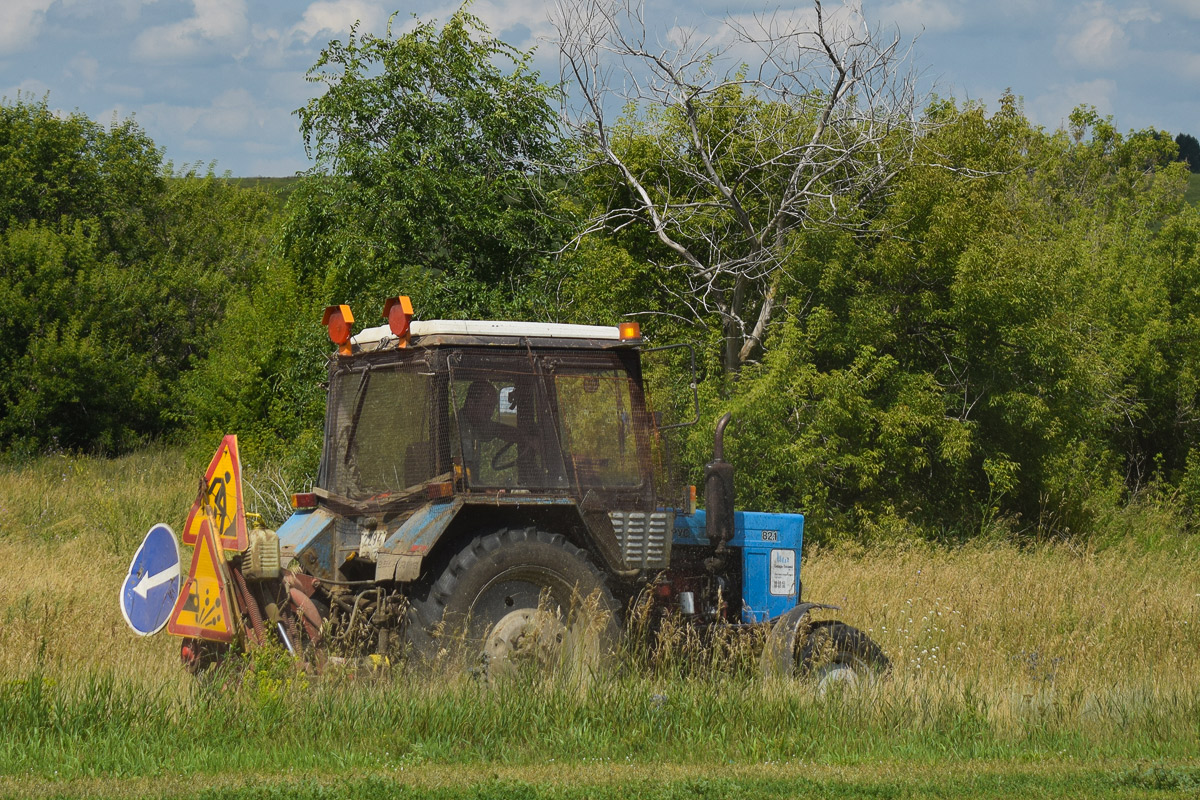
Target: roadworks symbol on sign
[[220, 499], [203, 608]]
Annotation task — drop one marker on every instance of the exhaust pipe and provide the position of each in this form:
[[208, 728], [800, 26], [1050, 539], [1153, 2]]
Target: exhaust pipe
[[718, 491]]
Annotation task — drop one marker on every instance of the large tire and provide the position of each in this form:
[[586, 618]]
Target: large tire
[[836, 655], [514, 597]]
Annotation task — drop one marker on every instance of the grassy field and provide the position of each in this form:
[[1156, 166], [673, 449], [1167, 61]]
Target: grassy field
[[1052, 670]]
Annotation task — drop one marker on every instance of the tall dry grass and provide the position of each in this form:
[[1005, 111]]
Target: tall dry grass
[[993, 645], [68, 528], [1056, 630]]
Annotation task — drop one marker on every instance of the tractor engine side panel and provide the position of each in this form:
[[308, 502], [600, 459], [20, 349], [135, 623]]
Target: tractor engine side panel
[[770, 558]]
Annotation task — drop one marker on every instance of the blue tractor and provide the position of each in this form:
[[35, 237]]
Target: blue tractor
[[479, 480]]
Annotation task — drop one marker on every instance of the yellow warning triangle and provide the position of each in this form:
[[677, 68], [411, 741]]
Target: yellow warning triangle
[[220, 498], [203, 608]]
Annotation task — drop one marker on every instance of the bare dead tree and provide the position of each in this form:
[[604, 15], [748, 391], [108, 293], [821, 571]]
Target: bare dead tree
[[777, 123]]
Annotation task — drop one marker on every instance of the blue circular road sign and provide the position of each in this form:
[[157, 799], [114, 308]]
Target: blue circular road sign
[[149, 591]]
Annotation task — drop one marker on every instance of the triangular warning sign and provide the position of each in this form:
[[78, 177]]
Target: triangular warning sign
[[203, 608], [220, 498]]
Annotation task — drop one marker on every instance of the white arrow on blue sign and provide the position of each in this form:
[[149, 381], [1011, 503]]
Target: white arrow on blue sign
[[149, 591]]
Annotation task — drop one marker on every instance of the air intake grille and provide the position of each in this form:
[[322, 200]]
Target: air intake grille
[[644, 538]]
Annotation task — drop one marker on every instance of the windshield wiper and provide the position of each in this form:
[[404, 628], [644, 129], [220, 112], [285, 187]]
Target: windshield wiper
[[360, 396]]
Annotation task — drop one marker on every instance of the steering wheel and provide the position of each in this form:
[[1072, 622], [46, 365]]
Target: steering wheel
[[501, 459]]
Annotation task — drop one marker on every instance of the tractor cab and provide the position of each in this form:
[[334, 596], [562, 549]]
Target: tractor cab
[[437, 429], [464, 411]]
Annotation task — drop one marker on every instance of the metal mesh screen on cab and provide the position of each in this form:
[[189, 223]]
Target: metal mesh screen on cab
[[385, 429], [507, 437]]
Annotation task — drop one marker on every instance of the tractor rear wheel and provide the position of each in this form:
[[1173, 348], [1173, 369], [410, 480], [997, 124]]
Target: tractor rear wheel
[[837, 655], [519, 597]]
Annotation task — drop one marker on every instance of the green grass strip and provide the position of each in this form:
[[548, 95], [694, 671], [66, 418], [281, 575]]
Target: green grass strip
[[103, 727], [757, 782]]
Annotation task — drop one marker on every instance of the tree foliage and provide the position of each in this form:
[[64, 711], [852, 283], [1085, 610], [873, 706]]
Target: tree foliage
[[1189, 150], [1006, 349], [434, 152], [114, 274], [959, 323]]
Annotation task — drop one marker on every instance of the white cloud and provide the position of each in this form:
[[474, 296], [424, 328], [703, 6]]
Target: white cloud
[[288, 88], [928, 15], [107, 10], [124, 91], [1052, 108], [214, 23], [504, 15], [83, 70], [739, 34], [780, 21], [20, 21], [1099, 44], [1189, 8], [30, 89], [1185, 64], [277, 48], [248, 135], [1098, 36], [162, 121], [336, 16], [233, 114]]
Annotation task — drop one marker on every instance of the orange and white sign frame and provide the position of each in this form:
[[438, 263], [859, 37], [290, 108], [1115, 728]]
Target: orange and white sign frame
[[222, 488], [204, 608]]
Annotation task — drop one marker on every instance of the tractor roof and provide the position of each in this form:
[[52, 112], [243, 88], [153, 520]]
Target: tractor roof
[[428, 333]]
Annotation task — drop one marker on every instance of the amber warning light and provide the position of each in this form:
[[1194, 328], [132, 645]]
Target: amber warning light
[[398, 311], [338, 320], [304, 500], [629, 330]]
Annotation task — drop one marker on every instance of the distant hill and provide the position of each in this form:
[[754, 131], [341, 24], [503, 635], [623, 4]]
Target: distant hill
[[280, 186], [284, 186]]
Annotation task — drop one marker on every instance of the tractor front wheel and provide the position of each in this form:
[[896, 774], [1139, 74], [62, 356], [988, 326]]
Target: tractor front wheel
[[834, 655]]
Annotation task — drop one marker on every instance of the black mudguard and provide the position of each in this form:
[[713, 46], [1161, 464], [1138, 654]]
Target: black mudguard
[[779, 654]]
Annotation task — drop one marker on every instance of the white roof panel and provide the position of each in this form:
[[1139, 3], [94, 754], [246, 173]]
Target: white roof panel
[[472, 327]]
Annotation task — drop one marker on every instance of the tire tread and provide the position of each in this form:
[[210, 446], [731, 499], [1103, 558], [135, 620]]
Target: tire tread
[[426, 613]]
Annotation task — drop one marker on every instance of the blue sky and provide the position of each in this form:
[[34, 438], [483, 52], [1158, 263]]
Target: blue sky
[[218, 80]]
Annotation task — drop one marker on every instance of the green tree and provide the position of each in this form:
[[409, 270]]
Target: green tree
[[74, 200], [435, 151], [1006, 348], [1189, 150], [54, 167], [1012, 342], [115, 275]]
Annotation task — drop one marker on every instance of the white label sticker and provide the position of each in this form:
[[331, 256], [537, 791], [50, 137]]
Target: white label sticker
[[783, 572], [369, 543]]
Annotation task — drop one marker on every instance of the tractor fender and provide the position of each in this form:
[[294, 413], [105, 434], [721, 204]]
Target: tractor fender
[[401, 554], [779, 654], [311, 536], [308, 536]]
